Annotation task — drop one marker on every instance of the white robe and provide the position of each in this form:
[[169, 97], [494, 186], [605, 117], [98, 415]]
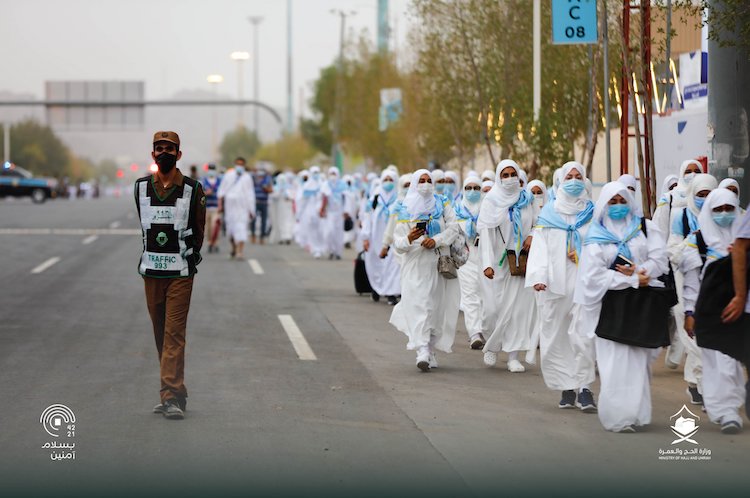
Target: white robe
[[514, 304], [283, 209], [624, 371], [333, 224], [428, 310], [567, 359], [384, 273], [471, 295], [310, 223], [238, 194], [723, 386]]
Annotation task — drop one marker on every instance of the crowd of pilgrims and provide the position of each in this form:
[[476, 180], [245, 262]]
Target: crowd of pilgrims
[[540, 262]]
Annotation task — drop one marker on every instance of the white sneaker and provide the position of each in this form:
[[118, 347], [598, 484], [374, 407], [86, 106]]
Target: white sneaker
[[433, 360], [490, 358], [423, 361], [515, 366]]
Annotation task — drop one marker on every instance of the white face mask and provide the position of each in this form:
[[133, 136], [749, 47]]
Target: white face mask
[[239, 168], [425, 189], [539, 200], [689, 178], [510, 184]]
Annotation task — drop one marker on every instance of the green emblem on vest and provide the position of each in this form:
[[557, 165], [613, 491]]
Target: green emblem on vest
[[161, 239]]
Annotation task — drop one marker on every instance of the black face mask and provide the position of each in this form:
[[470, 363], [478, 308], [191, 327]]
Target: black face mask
[[166, 162]]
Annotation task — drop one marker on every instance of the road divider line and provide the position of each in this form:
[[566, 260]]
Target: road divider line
[[257, 269], [114, 224], [70, 231], [301, 346], [89, 239], [45, 265]]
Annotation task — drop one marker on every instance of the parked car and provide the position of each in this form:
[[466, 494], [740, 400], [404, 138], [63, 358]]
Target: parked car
[[18, 182]]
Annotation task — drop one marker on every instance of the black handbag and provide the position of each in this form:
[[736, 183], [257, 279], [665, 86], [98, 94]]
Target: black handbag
[[717, 289], [639, 317], [636, 317]]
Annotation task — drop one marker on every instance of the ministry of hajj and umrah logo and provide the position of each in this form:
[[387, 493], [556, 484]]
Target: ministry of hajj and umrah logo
[[161, 238], [684, 425]]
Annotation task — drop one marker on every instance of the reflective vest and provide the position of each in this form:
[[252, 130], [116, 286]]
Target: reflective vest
[[167, 227]]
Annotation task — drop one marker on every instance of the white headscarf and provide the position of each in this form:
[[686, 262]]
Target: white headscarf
[[488, 175], [601, 208], [728, 182], [701, 182], [629, 181], [567, 204], [488, 183], [668, 182], [523, 178], [333, 170], [472, 208], [716, 237], [498, 200], [387, 196], [402, 181], [557, 177], [537, 183], [453, 176], [680, 192], [312, 184], [437, 175], [414, 203]]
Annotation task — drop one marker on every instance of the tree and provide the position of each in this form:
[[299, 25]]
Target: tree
[[36, 147], [238, 143], [290, 152]]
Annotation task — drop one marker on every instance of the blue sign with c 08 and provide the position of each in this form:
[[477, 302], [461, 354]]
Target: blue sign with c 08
[[574, 21]]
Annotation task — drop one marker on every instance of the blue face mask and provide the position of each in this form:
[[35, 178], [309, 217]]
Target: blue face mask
[[439, 188], [450, 189], [573, 187], [473, 196], [618, 211], [699, 202], [724, 219], [388, 186]]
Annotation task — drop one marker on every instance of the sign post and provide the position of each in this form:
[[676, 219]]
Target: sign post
[[574, 22]]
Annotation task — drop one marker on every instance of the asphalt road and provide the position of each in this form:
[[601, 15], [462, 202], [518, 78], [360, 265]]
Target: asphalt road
[[359, 418]]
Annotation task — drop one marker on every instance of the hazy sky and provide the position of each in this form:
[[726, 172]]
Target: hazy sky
[[173, 44]]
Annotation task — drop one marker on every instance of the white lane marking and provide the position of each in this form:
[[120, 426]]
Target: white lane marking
[[89, 239], [304, 352], [114, 224], [45, 265], [257, 269], [69, 231]]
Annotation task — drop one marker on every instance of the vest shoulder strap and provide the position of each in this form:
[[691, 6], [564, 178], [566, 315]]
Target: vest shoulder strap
[[685, 223], [702, 247]]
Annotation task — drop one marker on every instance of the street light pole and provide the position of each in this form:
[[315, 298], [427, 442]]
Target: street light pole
[[255, 21], [240, 57], [335, 152], [214, 79]]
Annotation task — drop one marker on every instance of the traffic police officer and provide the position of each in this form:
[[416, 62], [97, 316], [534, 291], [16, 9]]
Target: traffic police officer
[[172, 210]]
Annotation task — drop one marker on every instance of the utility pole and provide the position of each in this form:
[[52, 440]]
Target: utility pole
[[605, 89], [537, 29], [668, 55], [289, 109], [239, 57], [335, 150], [6, 142], [255, 21]]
